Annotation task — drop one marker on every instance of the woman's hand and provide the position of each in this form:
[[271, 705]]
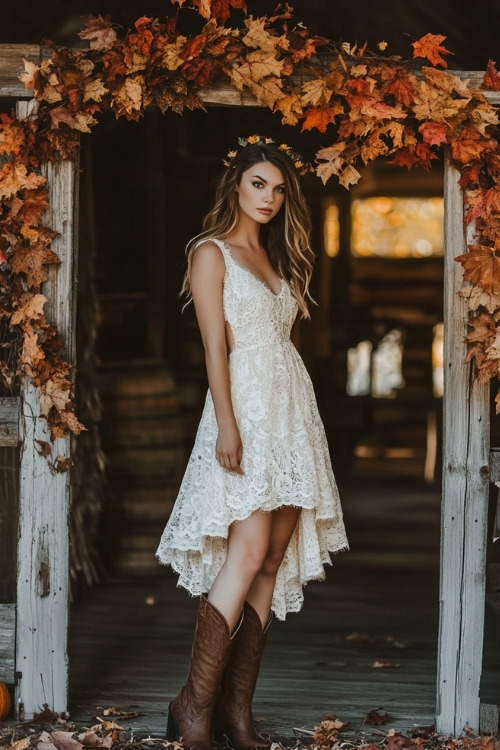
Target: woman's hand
[[229, 449]]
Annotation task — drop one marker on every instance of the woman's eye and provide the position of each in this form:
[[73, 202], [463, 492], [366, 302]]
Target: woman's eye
[[280, 190], [257, 184]]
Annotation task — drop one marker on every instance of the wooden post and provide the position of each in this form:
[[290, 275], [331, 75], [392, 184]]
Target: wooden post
[[465, 497], [44, 496]]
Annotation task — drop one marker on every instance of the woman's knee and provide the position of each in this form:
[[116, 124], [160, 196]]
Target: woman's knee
[[249, 559], [272, 561]]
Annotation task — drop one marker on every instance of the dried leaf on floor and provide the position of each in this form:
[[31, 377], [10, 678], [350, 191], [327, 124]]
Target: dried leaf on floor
[[375, 718]]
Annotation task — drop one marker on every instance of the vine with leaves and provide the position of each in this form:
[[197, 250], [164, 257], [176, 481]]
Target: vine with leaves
[[367, 105]]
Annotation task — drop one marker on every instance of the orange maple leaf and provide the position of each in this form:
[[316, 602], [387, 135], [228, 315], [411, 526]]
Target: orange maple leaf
[[482, 267], [319, 118], [469, 146], [32, 261], [429, 47], [15, 176], [69, 420], [482, 203], [491, 78]]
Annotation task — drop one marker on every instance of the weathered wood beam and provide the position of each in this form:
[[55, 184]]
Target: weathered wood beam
[[7, 641], [495, 465], [12, 58], [465, 497], [9, 421], [44, 498], [222, 93]]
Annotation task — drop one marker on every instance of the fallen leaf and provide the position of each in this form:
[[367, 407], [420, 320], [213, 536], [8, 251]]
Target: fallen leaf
[[375, 718], [385, 665], [356, 637], [46, 715]]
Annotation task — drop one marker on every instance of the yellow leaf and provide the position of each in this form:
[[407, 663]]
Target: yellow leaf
[[30, 310], [316, 92], [432, 105], [95, 90], [290, 107], [128, 97], [257, 36], [29, 75], [32, 354], [54, 394], [263, 64], [477, 297], [14, 177], [171, 53], [448, 82], [349, 176]]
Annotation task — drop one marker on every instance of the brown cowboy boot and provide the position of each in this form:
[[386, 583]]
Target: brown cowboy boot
[[233, 710], [190, 714]]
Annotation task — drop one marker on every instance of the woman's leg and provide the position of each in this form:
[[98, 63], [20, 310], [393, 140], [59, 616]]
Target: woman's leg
[[234, 707], [248, 548], [260, 594]]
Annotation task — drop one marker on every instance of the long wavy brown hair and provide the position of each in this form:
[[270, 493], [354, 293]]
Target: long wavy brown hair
[[286, 238]]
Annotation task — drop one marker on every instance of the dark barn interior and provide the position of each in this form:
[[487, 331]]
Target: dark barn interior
[[144, 188]]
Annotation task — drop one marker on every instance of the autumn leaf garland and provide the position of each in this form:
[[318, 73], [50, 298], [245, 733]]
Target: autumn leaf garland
[[368, 105]]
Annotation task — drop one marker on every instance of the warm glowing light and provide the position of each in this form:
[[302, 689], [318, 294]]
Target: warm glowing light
[[331, 230], [438, 360], [393, 227]]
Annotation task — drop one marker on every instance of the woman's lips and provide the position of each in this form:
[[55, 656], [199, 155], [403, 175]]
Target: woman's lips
[[266, 211]]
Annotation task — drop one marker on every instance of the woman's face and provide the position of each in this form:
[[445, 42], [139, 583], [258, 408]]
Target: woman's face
[[261, 192]]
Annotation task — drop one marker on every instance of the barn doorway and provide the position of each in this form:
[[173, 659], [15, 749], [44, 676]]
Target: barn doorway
[[145, 188]]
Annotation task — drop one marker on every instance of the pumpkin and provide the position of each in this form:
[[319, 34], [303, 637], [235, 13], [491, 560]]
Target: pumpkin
[[4, 700]]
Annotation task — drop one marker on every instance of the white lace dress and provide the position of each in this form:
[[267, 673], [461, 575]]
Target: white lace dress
[[285, 453]]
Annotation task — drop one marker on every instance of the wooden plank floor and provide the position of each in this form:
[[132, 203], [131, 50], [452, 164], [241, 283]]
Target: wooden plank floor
[[129, 653]]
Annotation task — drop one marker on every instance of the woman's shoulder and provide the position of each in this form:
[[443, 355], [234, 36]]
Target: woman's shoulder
[[209, 252]]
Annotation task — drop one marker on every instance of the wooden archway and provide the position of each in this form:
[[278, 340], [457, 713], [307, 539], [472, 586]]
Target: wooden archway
[[37, 623]]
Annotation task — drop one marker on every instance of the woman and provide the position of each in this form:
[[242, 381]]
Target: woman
[[258, 511]]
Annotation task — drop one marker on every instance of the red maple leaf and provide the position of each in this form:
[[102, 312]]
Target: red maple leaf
[[221, 9], [491, 78], [421, 155], [430, 48]]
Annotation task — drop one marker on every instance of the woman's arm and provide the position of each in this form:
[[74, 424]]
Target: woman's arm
[[206, 280]]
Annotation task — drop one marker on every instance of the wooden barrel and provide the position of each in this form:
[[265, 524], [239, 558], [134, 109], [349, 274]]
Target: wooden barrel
[[143, 441]]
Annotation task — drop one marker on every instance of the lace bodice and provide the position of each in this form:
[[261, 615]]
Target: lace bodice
[[255, 314]]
